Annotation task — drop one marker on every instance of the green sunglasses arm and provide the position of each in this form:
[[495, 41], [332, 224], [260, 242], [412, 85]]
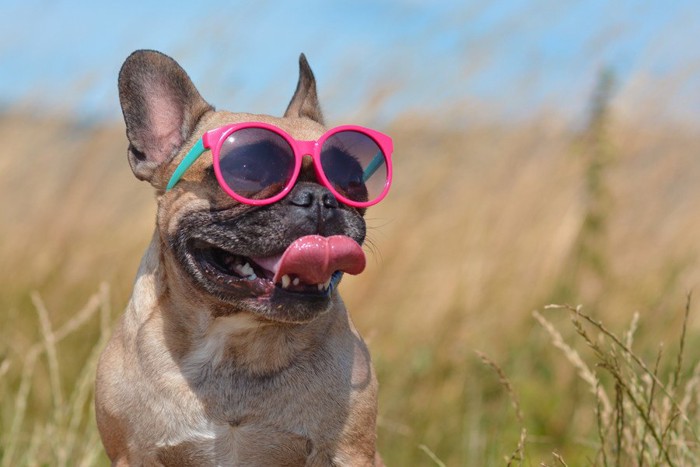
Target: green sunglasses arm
[[374, 164], [196, 151]]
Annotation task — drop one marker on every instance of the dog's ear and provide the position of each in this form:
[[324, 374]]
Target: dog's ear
[[304, 103], [161, 108]]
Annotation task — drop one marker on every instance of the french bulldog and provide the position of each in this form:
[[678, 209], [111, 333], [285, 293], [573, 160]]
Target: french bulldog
[[235, 347]]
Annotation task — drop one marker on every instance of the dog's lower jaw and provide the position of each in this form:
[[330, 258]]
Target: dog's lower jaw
[[260, 297]]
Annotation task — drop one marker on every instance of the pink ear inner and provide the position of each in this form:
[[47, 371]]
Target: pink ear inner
[[165, 123]]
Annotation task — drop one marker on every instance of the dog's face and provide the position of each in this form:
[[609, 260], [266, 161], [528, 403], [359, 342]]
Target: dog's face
[[222, 255]]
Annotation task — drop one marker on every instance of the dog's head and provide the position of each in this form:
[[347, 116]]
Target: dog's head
[[280, 261]]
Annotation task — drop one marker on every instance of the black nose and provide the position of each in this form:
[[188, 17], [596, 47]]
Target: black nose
[[314, 207], [312, 196]]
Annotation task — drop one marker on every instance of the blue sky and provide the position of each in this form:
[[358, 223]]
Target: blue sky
[[373, 60]]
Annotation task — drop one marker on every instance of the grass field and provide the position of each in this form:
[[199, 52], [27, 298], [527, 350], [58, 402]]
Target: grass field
[[483, 226]]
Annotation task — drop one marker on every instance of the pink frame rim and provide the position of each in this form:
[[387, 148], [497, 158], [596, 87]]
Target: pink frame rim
[[214, 140]]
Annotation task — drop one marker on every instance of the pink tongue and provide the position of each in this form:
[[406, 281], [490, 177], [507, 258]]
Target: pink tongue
[[313, 259]]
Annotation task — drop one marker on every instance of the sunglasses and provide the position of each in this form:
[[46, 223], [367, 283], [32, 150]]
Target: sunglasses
[[258, 163]]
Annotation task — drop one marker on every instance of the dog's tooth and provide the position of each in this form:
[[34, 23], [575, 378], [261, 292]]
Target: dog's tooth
[[285, 281], [327, 284], [247, 270], [296, 281], [320, 287], [252, 277]]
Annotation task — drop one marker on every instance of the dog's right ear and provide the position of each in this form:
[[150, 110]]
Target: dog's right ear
[[304, 103], [161, 108]]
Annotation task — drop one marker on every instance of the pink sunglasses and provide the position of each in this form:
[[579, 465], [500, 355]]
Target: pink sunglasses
[[258, 163]]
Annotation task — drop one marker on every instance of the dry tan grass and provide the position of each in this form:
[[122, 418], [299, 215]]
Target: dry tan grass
[[651, 422], [479, 229]]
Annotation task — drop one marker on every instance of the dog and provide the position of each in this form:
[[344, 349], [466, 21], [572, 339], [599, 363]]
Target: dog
[[219, 358]]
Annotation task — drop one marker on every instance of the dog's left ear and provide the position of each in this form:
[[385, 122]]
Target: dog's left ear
[[161, 109], [304, 103]]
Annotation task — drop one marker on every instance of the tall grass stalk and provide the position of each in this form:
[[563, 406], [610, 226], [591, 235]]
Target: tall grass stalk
[[53, 438], [433, 457], [588, 272], [518, 455], [653, 422]]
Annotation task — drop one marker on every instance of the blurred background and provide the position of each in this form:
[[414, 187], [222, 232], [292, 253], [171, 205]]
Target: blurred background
[[546, 152]]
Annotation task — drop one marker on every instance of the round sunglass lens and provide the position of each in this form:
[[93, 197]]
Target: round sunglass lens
[[256, 162], [355, 165]]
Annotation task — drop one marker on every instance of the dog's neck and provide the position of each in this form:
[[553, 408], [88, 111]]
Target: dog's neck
[[197, 339]]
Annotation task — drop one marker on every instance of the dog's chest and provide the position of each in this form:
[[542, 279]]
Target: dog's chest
[[305, 398], [260, 422], [241, 416], [223, 444]]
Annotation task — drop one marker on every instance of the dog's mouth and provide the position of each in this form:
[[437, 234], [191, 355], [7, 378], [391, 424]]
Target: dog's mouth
[[311, 265]]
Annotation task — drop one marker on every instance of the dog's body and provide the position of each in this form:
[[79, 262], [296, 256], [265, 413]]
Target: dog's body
[[208, 369]]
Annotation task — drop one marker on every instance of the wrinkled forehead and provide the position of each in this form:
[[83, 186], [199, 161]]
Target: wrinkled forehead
[[301, 129]]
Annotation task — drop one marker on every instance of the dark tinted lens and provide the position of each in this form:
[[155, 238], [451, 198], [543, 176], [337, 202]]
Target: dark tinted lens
[[355, 165], [256, 161]]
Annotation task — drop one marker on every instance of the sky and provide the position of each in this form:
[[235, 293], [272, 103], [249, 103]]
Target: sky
[[374, 60]]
